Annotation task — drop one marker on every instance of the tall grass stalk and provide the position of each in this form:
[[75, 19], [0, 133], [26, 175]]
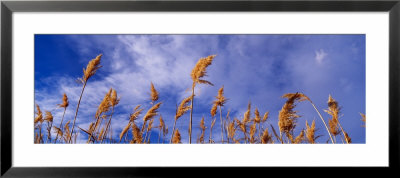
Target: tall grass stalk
[[90, 70]]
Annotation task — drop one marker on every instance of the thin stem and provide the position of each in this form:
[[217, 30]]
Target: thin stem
[[76, 112], [145, 136], [226, 131], [49, 132], [173, 131], [259, 130], [222, 128], [245, 135], [341, 138], [143, 126], [163, 138], [191, 114], [40, 133], [343, 132], [323, 121], [60, 124], [159, 134], [148, 139], [108, 125], [111, 132], [210, 134]]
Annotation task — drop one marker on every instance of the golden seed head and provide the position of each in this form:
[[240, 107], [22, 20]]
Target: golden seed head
[[162, 124], [136, 133], [265, 117], [39, 115], [310, 132], [136, 113], [231, 129], [347, 137], [333, 110], [333, 127], [57, 130], [153, 93], [114, 98], [105, 104], [151, 112], [91, 68], [266, 137], [123, 132], [183, 107], [252, 132], [299, 138], [48, 117], [177, 137], [257, 118], [202, 125], [363, 118], [65, 102], [288, 117], [221, 100], [213, 110], [199, 70]]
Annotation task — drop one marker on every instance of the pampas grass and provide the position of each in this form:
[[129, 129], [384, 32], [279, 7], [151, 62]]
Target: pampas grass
[[203, 130], [180, 111], [90, 70], [251, 129], [177, 137], [310, 132], [334, 124], [198, 72], [64, 104], [49, 119], [153, 94], [363, 118], [266, 137], [150, 114], [219, 102], [38, 121], [114, 100]]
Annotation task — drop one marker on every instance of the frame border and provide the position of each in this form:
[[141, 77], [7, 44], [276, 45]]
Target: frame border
[[8, 7]]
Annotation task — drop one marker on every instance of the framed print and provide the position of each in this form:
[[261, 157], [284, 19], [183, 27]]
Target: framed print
[[169, 84]]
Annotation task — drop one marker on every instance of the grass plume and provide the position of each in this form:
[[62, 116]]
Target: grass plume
[[90, 70], [198, 72]]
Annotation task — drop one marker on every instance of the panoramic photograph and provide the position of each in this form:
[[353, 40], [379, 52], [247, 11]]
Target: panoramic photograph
[[199, 89]]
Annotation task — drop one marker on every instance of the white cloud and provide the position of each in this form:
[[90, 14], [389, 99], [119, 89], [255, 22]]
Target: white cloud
[[132, 61], [320, 55]]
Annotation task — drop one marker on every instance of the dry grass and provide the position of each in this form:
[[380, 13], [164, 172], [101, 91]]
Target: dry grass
[[248, 126], [334, 124], [287, 116], [153, 94], [203, 130], [198, 72], [177, 137], [64, 104], [310, 132], [266, 137], [364, 119], [90, 70]]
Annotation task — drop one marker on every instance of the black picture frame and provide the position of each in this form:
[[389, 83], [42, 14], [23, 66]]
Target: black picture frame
[[8, 7]]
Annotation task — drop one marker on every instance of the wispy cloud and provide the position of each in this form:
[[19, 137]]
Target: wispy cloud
[[256, 68], [320, 55]]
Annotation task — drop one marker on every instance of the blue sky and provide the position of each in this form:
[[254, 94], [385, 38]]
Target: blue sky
[[255, 68]]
